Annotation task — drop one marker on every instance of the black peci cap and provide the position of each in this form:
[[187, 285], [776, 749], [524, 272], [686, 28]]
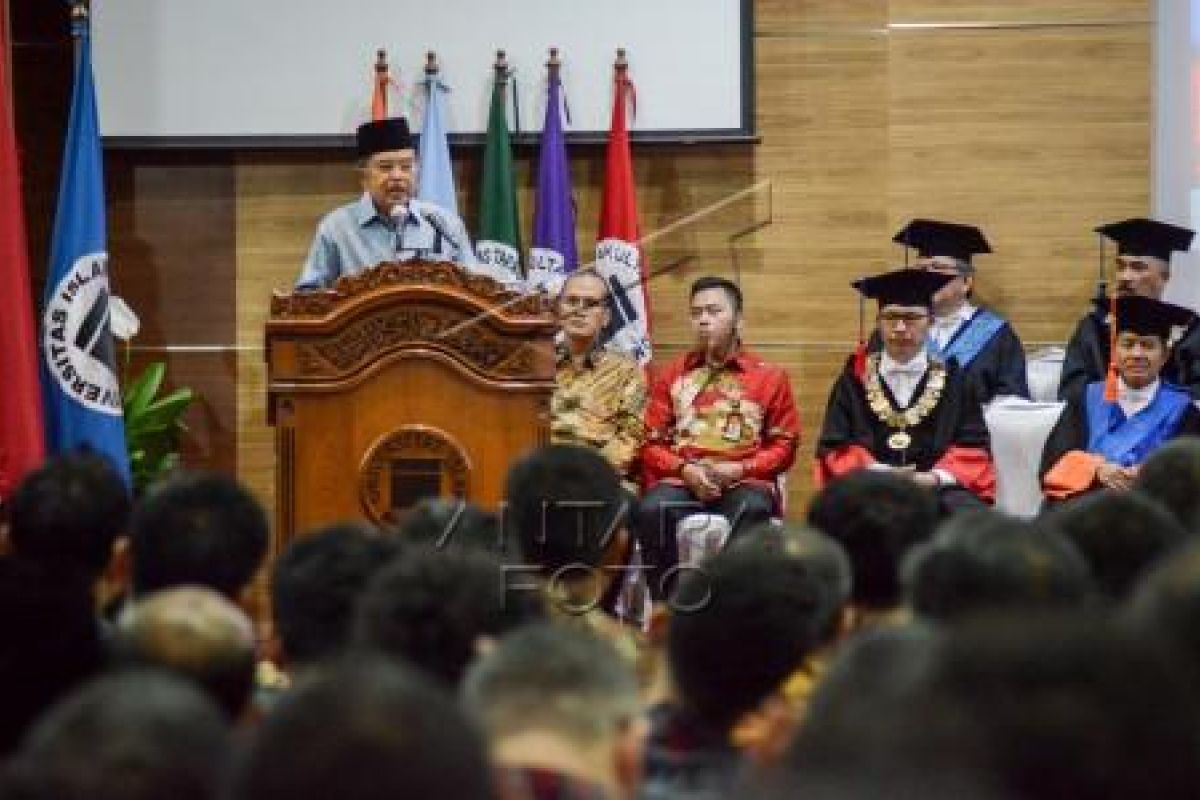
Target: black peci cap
[[382, 135]]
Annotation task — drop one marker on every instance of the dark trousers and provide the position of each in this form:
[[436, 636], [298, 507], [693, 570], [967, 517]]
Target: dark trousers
[[952, 499], [661, 509]]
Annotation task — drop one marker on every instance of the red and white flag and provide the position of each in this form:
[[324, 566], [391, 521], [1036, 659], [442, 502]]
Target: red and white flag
[[618, 253], [22, 439]]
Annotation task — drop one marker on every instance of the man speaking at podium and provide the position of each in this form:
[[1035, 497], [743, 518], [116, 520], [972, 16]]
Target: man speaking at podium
[[386, 223]]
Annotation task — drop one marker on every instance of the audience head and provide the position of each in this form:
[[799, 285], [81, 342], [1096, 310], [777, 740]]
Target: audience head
[[871, 711], [822, 557], [1044, 706], [876, 517], [1166, 603], [452, 524], [200, 529], [50, 641], [364, 729], [1171, 475], [566, 507], [135, 735], [315, 585], [70, 512], [1120, 534], [1072, 706], [742, 625], [198, 634], [984, 560], [547, 682], [433, 609]]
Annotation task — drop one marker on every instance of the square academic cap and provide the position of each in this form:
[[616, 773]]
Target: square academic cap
[[382, 135], [1147, 237], [903, 287], [1149, 317], [932, 237]]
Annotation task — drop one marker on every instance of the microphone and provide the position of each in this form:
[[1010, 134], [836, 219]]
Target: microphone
[[439, 226], [398, 213]]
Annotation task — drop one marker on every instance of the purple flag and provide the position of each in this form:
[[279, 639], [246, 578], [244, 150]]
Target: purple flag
[[553, 253]]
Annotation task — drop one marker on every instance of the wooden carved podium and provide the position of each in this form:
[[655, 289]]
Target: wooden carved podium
[[405, 381]]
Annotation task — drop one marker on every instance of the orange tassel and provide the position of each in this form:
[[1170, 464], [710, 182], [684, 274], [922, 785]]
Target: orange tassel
[[379, 96], [1110, 384]]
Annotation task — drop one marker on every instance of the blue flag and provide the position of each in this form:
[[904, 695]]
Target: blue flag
[[553, 253], [78, 365], [435, 173]]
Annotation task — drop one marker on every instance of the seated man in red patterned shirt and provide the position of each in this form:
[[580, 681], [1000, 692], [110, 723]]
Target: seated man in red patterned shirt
[[721, 428]]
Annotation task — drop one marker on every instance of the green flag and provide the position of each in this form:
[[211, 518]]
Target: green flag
[[498, 243]]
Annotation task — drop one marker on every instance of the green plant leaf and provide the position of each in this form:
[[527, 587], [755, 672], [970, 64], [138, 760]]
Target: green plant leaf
[[153, 426], [144, 387]]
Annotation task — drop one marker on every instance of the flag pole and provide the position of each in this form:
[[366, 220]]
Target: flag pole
[[80, 19], [382, 79]]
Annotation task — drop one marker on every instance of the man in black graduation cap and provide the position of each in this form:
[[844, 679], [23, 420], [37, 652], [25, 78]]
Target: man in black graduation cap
[[386, 223], [903, 409], [1114, 424], [1143, 266], [982, 342]]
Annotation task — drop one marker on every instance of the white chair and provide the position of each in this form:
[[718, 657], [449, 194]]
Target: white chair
[[698, 536], [1043, 369], [1019, 430]]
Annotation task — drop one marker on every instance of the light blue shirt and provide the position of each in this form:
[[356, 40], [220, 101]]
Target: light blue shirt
[[356, 237]]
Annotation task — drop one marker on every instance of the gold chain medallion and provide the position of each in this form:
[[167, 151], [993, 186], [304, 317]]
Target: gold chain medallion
[[911, 416]]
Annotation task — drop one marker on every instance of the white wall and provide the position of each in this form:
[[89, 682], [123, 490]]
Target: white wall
[[280, 68]]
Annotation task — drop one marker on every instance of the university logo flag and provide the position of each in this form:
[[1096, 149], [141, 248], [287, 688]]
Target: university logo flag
[[435, 173], [618, 254], [21, 436], [498, 245], [82, 396], [553, 254]]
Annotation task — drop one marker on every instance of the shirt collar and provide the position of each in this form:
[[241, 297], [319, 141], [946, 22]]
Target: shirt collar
[[740, 359], [916, 365], [590, 359], [1131, 396], [964, 313]]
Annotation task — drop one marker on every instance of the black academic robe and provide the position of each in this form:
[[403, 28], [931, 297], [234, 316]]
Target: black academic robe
[[998, 369], [1087, 356], [952, 436], [1071, 431]]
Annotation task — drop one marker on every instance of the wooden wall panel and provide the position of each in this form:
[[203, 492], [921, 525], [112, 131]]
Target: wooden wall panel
[[171, 251], [1012, 12], [1036, 150], [41, 80]]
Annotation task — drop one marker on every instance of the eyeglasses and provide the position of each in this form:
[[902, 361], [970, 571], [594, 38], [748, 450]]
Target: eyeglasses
[[572, 302], [908, 318]]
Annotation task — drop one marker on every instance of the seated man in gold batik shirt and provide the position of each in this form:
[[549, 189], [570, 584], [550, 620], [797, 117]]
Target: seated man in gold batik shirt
[[599, 394]]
